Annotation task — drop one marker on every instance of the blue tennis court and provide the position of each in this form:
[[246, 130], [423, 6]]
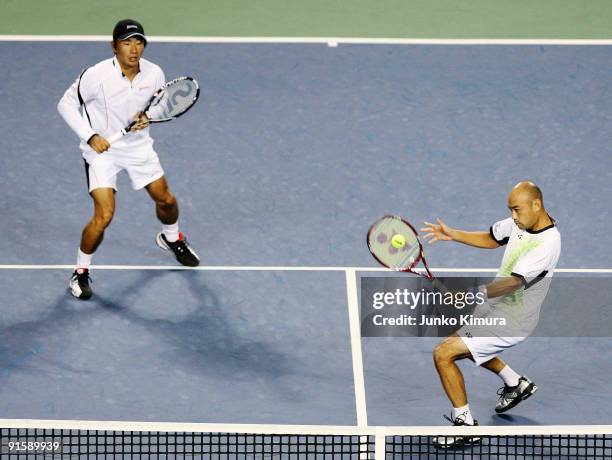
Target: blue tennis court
[[294, 150]]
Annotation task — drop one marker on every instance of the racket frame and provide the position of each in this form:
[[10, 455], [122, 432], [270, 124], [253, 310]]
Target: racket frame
[[156, 96], [419, 257]]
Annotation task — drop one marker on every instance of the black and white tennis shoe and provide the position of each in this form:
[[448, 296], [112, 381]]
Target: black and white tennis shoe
[[456, 441], [181, 249], [79, 284], [511, 396]]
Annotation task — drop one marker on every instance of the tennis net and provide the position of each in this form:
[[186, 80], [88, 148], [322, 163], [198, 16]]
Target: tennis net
[[126, 440]]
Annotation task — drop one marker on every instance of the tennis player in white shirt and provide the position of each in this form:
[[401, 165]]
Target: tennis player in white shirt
[[102, 100], [533, 246]]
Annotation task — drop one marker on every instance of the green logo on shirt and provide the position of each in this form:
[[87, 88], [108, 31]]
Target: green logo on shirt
[[523, 247]]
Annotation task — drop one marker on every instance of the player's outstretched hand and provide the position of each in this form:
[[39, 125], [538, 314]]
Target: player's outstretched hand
[[437, 232], [99, 144]]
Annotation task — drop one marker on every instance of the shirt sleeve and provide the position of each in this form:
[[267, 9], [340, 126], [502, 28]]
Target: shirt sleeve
[[500, 231], [535, 263], [69, 107], [161, 79]]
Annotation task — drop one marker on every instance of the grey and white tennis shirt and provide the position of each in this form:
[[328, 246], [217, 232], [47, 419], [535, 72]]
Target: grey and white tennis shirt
[[532, 256], [109, 102]]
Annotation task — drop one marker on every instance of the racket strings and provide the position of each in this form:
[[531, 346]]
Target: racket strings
[[381, 245], [174, 100]]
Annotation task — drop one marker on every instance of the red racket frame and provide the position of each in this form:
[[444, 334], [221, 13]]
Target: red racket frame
[[421, 255]]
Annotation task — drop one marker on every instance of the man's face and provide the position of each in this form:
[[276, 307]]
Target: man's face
[[524, 210], [129, 51]]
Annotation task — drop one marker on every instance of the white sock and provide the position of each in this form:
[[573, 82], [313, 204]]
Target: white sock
[[83, 260], [171, 232], [463, 413], [509, 377]]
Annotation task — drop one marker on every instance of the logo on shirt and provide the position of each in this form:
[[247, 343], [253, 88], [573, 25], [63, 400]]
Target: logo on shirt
[[140, 88]]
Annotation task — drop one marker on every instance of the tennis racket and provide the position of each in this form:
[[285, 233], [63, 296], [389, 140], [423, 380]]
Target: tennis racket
[[169, 102], [395, 244]]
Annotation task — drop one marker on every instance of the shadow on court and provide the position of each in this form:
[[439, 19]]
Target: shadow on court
[[139, 351], [203, 340]]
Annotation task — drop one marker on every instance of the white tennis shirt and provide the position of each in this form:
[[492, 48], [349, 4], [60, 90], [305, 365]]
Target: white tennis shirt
[[532, 256], [103, 101]]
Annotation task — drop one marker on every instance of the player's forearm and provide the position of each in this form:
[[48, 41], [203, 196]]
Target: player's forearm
[[476, 239], [503, 286]]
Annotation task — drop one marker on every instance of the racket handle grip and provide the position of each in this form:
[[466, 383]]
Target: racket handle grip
[[115, 137]]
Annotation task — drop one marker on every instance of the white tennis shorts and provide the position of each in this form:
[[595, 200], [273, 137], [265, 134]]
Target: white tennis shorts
[[484, 348], [142, 165], [485, 342]]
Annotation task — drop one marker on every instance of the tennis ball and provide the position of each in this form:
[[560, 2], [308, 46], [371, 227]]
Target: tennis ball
[[398, 241]]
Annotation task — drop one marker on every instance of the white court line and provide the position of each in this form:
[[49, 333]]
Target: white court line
[[185, 427], [500, 430], [103, 425], [330, 41], [278, 268], [355, 330], [200, 268]]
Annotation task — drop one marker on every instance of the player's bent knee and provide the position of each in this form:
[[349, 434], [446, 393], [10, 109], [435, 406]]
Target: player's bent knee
[[168, 201], [104, 218], [444, 353], [440, 354]]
